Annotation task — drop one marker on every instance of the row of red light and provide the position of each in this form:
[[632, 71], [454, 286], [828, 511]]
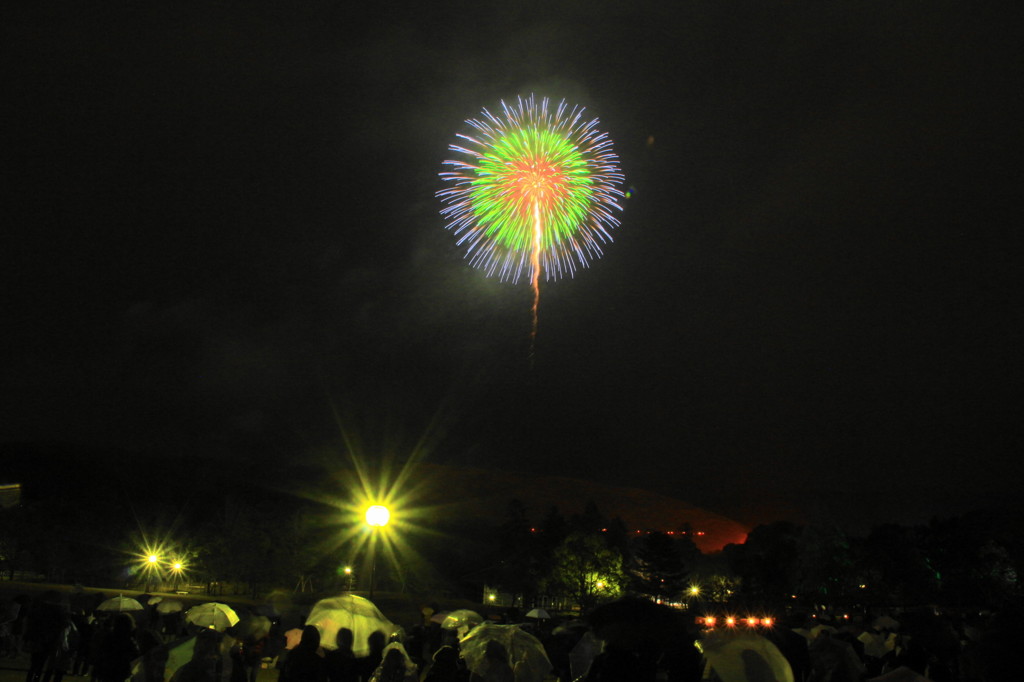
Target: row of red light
[[732, 621]]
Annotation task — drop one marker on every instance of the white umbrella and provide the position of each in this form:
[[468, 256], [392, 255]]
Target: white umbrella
[[350, 611], [540, 614], [170, 606], [120, 603], [212, 615]]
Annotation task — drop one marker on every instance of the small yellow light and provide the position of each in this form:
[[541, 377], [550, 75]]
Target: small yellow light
[[348, 570], [152, 558], [491, 597], [177, 566]]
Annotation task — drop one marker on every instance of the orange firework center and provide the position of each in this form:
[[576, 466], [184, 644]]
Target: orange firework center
[[537, 182]]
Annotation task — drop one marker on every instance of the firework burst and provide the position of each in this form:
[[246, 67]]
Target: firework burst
[[533, 190]]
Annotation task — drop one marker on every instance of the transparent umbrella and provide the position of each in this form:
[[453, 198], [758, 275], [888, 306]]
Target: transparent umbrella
[[526, 655], [358, 614], [462, 621]]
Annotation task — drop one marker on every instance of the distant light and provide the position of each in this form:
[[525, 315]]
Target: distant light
[[767, 622], [348, 570], [751, 621], [177, 566], [600, 585], [862, 586], [491, 597], [710, 621], [730, 621], [694, 590], [152, 558], [377, 516]]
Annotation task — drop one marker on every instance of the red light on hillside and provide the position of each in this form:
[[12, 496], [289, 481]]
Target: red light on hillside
[[730, 621]]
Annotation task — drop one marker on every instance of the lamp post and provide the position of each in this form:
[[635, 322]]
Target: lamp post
[[377, 516]]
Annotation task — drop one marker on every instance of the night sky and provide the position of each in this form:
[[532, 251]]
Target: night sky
[[221, 237]]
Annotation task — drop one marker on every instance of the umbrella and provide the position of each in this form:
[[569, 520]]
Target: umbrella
[[834, 657], [571, 628], [293, 637], [170, 606], [537, 613], [885, 622], [741, 655], [462, 621], [120, 603], [358, 614], [251, 626], [526, 655], [439, 617], [901, 674], [583, 654], [877, 644], [154, 600], [213, 615], [204, 653]]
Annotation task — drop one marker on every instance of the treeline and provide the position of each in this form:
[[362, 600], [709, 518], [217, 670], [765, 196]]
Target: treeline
[[243, 530]]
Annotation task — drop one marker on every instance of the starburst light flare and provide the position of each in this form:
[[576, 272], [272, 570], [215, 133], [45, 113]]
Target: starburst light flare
[[534, 189]]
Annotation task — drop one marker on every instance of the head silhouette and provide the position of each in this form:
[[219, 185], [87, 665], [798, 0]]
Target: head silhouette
[[377, 641], [310, 637], [345, 639]]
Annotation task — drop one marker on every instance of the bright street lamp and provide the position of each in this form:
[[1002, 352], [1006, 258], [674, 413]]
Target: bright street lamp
[[377, 516]]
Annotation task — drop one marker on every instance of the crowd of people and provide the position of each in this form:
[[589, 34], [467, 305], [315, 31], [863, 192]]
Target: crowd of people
[[63, 637]]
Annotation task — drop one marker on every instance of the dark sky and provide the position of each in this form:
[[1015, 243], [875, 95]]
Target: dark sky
[[220, 227]]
